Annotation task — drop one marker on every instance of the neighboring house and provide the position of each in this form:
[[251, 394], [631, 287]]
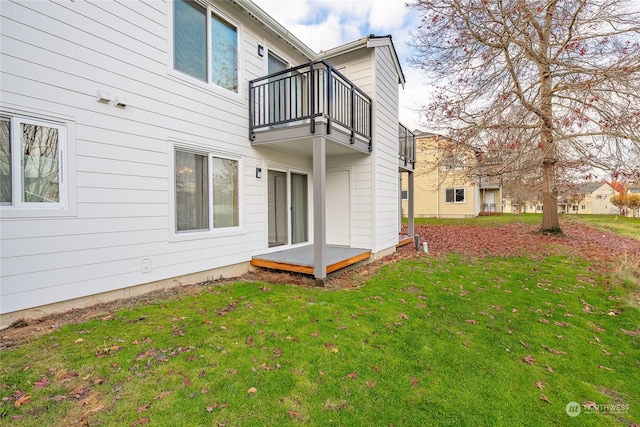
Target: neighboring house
[[592, 198], [582, 198], [452, 180], [150, 144]]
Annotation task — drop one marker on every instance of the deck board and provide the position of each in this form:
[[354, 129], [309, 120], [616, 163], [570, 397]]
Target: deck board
[[300, 259]]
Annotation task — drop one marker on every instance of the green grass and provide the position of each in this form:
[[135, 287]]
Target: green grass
[[487, 221], [425, 342], [624, 226]]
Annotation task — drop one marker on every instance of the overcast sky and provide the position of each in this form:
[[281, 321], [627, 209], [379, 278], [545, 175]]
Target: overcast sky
[[325, 24]]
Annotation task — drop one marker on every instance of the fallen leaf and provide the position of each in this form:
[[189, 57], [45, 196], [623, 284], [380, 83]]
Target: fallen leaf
[[371, 384], [21, 401], [294, 415], [414, 382], [549, 369], [528, 359], [144, 407], [605, 368], [78, 341], [545, 399], [554, 351], [163, 395], [524, 344], [40, 384], [252, 390], [140, 422], [353, 375], [539, 385], [472, 321], [314, 334]]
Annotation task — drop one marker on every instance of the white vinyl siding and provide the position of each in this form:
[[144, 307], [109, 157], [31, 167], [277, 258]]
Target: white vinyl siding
[[120, 167]]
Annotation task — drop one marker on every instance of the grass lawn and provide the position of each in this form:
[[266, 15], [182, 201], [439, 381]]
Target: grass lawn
[[425, 341], [624, 226]]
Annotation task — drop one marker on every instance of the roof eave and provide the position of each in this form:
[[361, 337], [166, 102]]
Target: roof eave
[[274, 26]]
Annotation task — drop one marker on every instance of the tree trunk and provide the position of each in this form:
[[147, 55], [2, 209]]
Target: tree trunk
[[550, 221]]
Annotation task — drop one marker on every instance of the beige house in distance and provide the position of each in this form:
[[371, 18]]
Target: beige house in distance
[[444, 185], [592, 198]]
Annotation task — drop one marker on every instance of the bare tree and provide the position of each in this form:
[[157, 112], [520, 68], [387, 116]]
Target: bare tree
[[542, 84]]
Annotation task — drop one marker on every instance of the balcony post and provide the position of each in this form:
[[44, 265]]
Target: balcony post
[[319, 209], [353, 114], [329, 96], [312, 98]]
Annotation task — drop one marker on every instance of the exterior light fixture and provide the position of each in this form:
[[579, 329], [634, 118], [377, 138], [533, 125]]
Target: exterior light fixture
[[103, 97], [258, 172], [260, 50], [120, 102]]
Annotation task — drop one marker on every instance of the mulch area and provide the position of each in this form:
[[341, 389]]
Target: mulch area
[[601, 248]]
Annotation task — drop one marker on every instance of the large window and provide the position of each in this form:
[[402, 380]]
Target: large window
[[217, 64], [454, 162], [455, 195], [206, 191], [31, 163]]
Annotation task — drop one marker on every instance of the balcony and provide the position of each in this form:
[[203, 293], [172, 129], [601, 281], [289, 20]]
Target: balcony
[[489, 182], [290, 106], [407, 148]]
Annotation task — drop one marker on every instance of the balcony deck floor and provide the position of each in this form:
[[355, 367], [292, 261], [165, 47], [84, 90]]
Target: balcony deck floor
[[300, 259]]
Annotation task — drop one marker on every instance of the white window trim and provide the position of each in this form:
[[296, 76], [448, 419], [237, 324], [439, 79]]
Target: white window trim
[[288, 170], [454, 195], [208, 85], [174, 234], [67, 206]]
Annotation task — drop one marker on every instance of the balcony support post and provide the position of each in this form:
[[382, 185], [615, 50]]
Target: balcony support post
[[329, 96], [319, 209], [312, 98]]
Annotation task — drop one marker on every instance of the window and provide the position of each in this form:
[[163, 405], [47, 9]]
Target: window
[[405, 194], [206, 191], [195, 27], [455, 195], [454, 162], [31, 163]]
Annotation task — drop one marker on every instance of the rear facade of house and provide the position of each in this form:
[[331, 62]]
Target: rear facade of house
[[449, 182], [154, 144]]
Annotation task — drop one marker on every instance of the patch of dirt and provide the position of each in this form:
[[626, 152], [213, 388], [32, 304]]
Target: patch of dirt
[[601, 248]]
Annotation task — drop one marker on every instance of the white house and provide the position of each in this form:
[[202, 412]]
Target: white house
[[152, 144]]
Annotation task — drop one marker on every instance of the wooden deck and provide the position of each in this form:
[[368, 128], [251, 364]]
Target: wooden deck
[[300, 259], [404, 240]]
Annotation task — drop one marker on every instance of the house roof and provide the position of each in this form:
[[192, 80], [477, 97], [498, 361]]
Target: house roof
[[274, 26], [586, 187], [369, 41], [280, 31]]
